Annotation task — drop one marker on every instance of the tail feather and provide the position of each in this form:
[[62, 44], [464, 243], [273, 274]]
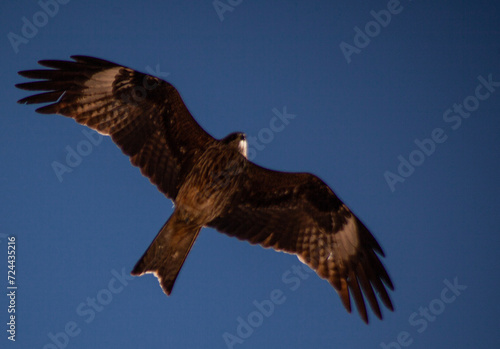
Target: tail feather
[[168, 251]]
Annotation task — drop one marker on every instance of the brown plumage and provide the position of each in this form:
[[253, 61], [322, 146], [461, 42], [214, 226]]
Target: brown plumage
[[211, 182]]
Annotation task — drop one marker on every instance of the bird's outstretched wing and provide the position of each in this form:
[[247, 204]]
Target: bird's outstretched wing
[[299, 214], [144, 115]]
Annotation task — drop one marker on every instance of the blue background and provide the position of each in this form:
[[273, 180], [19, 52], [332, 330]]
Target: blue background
[[352, 121]]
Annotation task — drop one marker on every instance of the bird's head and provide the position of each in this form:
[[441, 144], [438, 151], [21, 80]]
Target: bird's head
[[237, 140]]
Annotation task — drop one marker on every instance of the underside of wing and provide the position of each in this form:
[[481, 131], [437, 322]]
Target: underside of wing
[[299, 214], [144, 115]]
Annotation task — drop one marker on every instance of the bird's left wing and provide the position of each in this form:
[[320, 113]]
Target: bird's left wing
[[299, 214], [144, 115]]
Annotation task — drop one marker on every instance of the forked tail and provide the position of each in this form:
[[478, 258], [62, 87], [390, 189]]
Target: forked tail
[[166, 254]]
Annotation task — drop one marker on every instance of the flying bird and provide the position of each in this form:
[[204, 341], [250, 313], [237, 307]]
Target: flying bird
[[211, 181]]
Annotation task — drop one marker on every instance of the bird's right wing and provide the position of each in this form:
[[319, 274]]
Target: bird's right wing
[[144, 115], [298, 213]]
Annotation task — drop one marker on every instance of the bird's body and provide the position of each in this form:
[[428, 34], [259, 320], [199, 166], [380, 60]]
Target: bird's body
[[211, 181], [218, 171], [200, 200]]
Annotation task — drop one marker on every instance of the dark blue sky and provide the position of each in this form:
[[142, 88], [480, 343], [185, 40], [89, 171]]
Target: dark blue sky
[[399, 115]]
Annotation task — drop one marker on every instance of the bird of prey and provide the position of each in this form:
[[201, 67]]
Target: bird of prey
[[211, 182]]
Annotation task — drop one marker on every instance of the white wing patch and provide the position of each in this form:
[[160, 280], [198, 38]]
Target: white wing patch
[[103, 79], [348, 237]]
